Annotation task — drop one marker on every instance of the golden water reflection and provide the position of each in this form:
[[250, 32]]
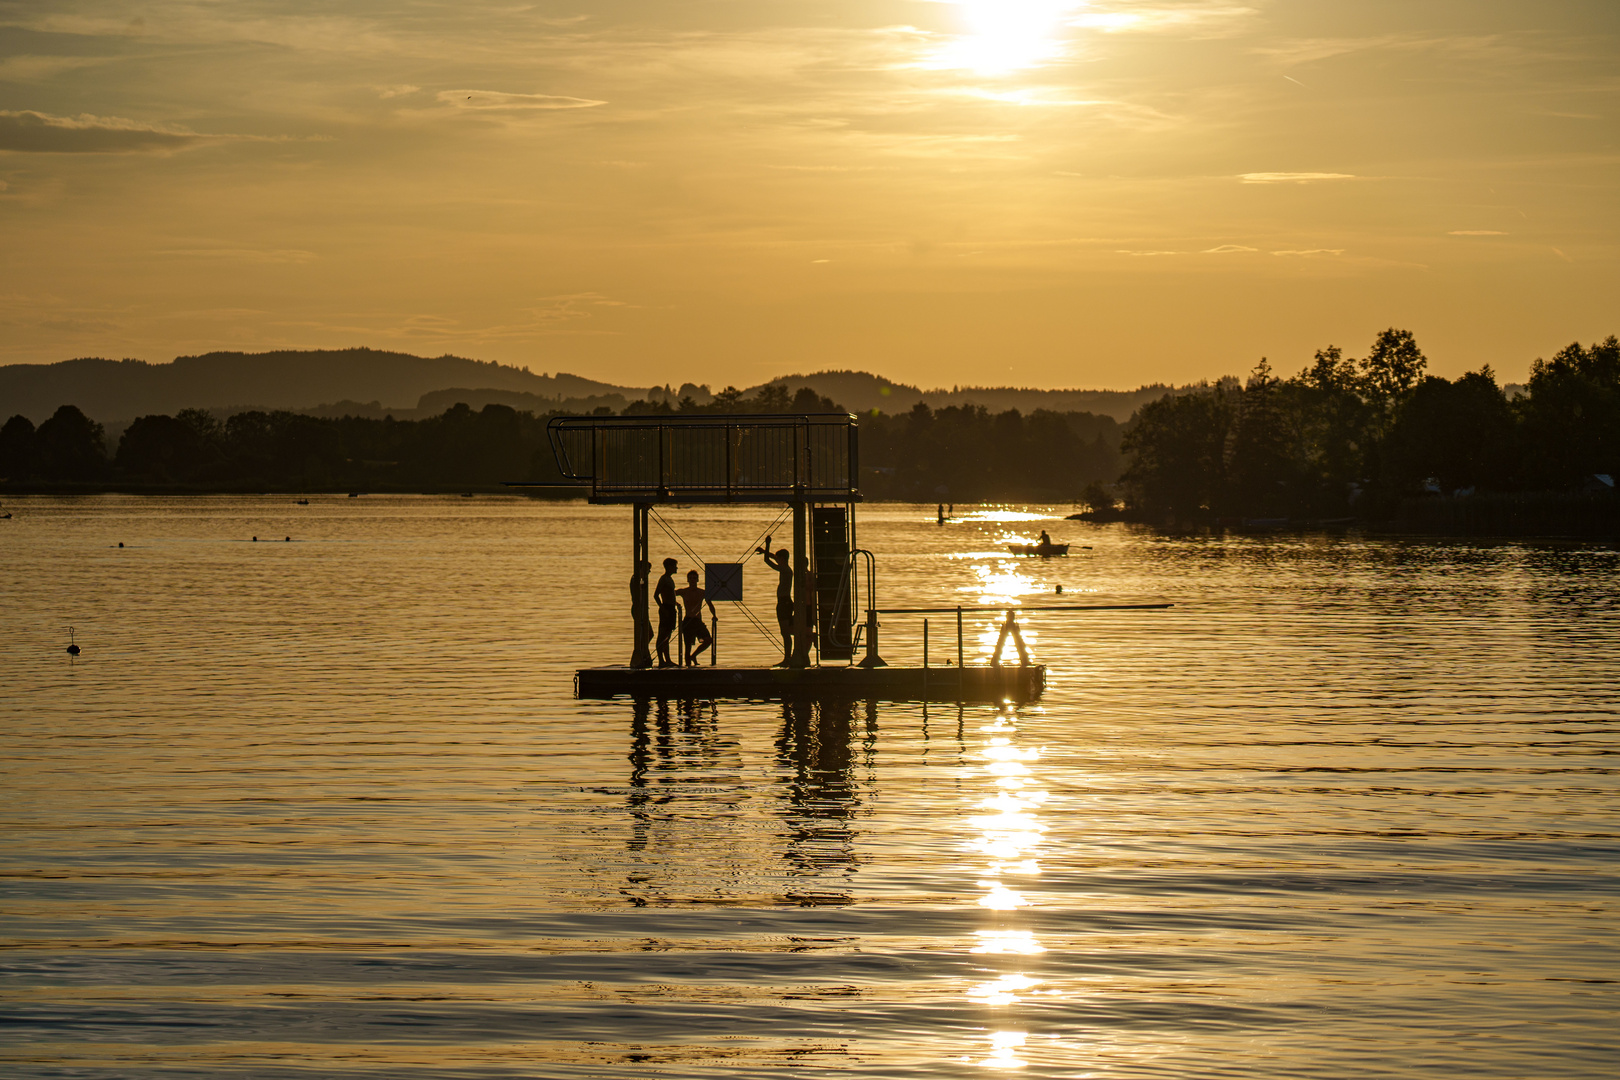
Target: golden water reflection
[[1007, 834]]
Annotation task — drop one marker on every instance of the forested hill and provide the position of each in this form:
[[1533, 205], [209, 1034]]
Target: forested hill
[[376, 383], [124, 389]]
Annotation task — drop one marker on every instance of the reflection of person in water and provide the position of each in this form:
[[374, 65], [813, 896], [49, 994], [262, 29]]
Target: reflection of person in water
[[668, 612], [692, 625], [779, 562], [815, 753]]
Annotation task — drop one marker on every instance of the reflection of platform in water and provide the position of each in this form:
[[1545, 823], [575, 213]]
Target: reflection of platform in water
[[1020, 683]]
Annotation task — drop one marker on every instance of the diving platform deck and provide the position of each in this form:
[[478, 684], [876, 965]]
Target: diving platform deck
[[1015, 683]]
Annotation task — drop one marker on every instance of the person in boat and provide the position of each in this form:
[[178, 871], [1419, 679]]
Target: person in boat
[[693, 626], [668, 611], [780, 562], [1046, 541]]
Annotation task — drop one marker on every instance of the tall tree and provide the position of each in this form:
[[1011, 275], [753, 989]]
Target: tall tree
[[71, 446]]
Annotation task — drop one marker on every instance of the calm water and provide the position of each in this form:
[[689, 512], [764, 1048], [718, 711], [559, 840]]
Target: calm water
[[327, 808]]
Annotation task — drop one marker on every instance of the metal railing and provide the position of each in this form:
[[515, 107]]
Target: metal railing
[[713, 458]]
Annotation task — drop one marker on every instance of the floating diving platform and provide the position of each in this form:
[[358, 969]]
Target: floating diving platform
[[988, 683]]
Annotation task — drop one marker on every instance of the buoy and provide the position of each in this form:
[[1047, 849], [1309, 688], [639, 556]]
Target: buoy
[[288, 540], [73, 646], [120, 543], [255, 539]]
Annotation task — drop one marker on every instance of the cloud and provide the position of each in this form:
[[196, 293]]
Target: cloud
[[496, 99], [1291, 177], [32, 132], [1312, 252], [386, 92], [283, 255], [1475, 232], [1227, 249], [1123, 252], [38, 68], [1130, 16]]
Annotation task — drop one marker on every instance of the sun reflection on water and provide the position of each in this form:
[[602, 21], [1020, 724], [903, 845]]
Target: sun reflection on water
[[1007, 834]]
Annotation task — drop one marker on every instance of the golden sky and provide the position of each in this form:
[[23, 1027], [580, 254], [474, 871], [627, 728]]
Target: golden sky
[[1038, 192]]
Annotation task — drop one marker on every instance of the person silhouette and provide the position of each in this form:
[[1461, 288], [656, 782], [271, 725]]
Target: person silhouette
[[784, 595], [668, 611], [692, 626], [638, 614]]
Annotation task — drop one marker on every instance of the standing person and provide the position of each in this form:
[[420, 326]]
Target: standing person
[[692, 625], [668, 613], [638, 612], [942, 513], [784, 596]]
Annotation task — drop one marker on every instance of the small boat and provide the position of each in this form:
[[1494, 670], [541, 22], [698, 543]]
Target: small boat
[[1043, 550], [303, 502]]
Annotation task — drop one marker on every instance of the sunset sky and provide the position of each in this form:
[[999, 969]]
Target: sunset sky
[[1035, 192]]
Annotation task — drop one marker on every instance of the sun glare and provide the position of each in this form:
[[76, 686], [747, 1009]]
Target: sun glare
[[1003, 36]]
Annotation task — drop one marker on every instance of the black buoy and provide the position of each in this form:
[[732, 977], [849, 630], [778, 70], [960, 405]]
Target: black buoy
[[288, 540], [73, 646], [120, 543]]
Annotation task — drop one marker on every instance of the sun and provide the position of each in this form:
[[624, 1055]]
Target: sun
[[1003, 36]]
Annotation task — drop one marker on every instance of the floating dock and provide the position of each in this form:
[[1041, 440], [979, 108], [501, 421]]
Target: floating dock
[[1009, 683]]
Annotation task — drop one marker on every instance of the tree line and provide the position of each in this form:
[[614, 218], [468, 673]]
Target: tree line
[[1355, 436], [959, 453], [1344, 437]]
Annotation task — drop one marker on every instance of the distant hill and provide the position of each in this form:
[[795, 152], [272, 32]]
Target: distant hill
[[371, 382], [123, 389]]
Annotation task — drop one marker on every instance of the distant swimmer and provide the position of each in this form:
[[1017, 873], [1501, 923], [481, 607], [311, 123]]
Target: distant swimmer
[[692, 625], [784, 594], [668, 612]]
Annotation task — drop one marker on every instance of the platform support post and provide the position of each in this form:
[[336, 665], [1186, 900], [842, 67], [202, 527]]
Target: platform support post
[[804, 590], [959, 637], [641, 655], [872, 659], [925, 643], [1010, 627]]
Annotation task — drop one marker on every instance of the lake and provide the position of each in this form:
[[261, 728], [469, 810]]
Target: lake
[[326, 806]]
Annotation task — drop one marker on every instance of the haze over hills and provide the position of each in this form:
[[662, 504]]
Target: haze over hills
[[364, 381]]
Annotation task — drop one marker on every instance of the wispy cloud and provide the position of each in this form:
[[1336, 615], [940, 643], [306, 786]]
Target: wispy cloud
[[1124, 252], [30, 69], [279, 255], [497, 99], [1156, 16], [1228, 249], [32, 132], [1292, 177], [401, 90], [1312, 252]]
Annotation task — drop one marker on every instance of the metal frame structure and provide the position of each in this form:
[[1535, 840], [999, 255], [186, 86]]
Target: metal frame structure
[[801, 459]]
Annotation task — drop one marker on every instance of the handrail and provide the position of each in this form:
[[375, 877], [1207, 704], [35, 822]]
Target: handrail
[[1014, 607]]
